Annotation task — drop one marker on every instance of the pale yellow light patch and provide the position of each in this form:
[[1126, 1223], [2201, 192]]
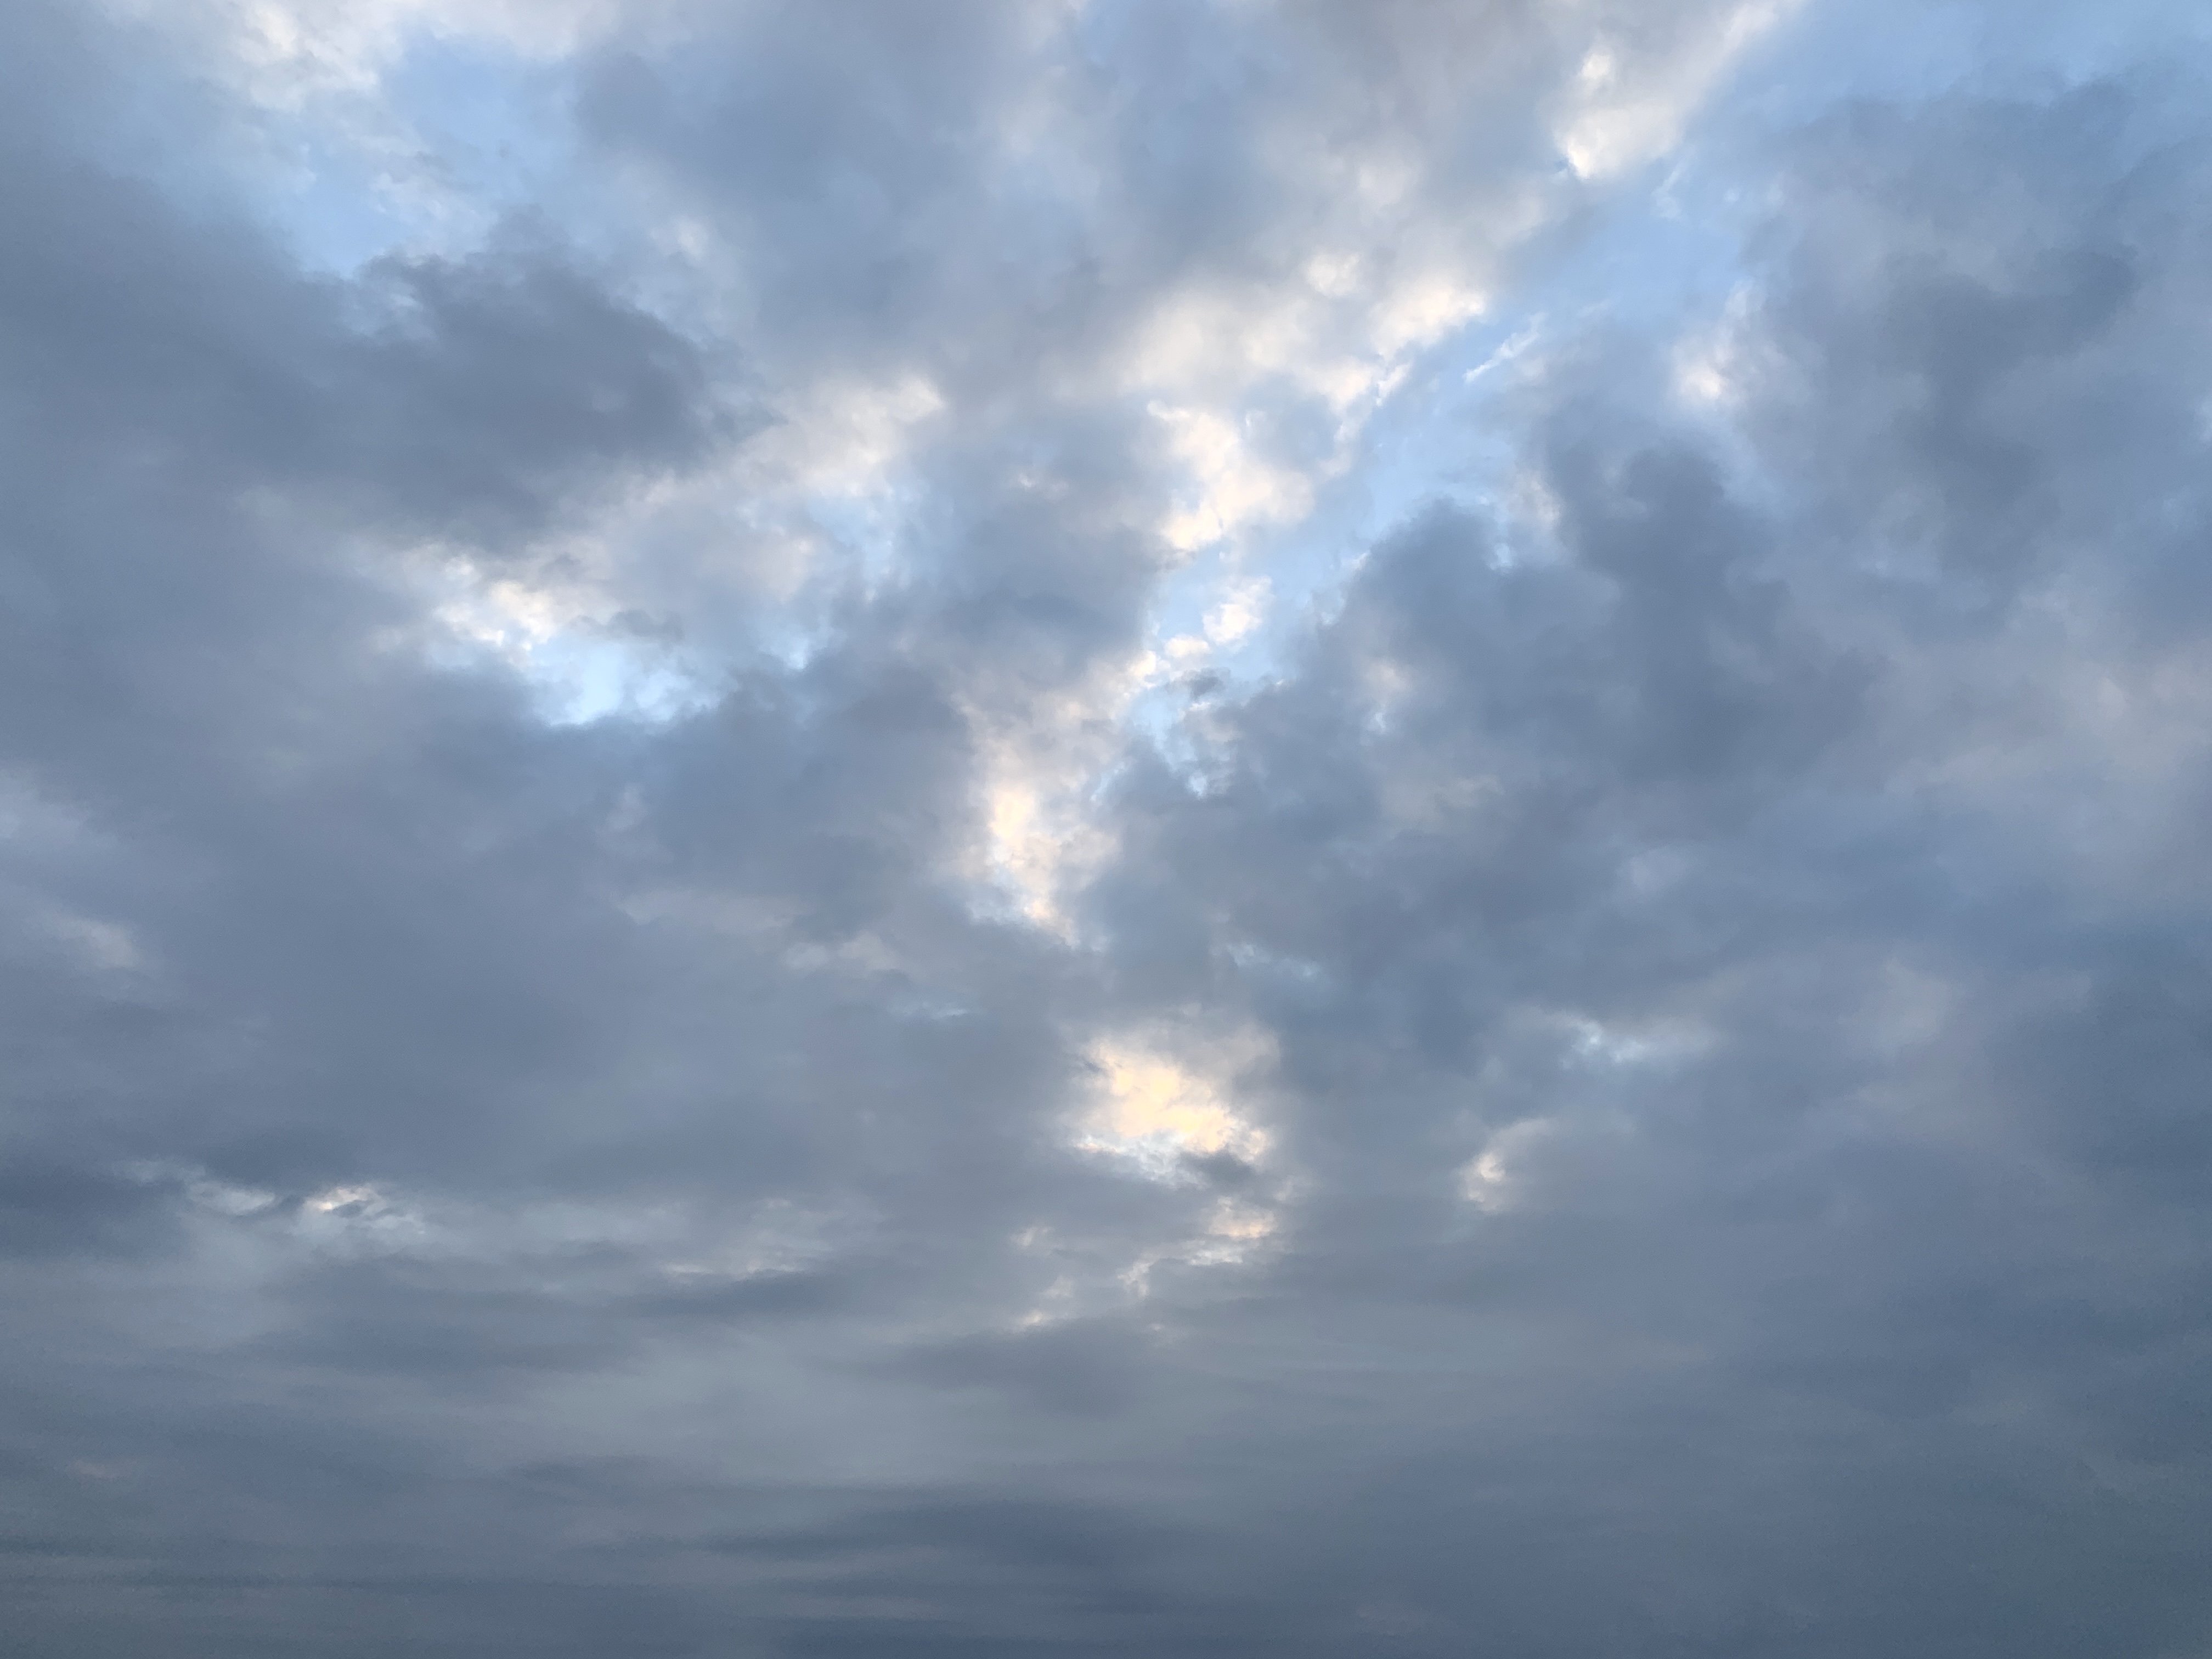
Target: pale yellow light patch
[[1494, 1181], [1057, 1302], [1151, 1099], [334, 1199], [554, 623], [361, 1218], [507, 617], [1484, 1181], [1156, 1098], [1040, 842], [745, 522], [1043, 835], [1233, 1234], [1153, 1108], [748, 521], [1202, 353], [1241, 1223]]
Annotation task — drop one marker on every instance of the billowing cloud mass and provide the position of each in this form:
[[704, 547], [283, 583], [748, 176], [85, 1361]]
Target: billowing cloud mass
[[1095, 826]]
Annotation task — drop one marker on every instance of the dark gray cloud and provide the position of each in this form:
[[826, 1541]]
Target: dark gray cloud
[[1425, 874]]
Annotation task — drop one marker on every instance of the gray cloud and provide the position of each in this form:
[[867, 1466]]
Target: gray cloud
[[1375, 922]]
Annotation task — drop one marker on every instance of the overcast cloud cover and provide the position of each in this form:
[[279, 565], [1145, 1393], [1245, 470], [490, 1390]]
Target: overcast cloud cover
[[1106, 826]]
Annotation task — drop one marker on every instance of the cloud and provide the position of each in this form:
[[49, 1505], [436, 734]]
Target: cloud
[[1178, 829]]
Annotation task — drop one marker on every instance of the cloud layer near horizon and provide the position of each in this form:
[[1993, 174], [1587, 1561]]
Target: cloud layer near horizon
[[1169, 829]]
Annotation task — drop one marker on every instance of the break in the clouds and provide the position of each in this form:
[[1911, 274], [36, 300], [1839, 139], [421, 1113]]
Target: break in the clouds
[[1164, 829]]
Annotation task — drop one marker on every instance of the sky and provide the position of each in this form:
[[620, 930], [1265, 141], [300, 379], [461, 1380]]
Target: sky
[[1177, 828]]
